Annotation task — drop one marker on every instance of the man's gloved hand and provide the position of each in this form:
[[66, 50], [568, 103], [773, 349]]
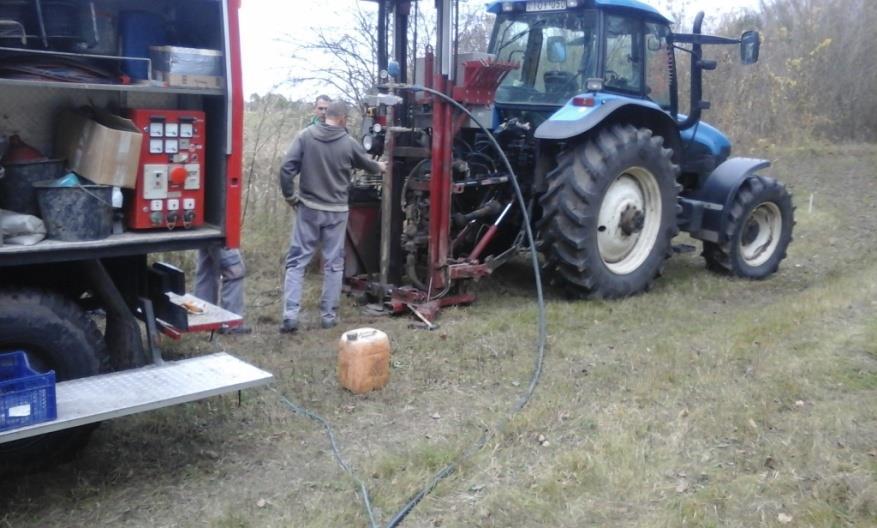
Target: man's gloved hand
[[293, 200], [383, 165]]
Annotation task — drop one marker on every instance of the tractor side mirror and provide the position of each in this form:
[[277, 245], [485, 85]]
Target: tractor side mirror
[[750, 44], [556, 48]]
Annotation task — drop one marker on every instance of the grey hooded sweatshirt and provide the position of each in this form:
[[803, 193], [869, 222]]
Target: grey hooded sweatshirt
[[323, 156]]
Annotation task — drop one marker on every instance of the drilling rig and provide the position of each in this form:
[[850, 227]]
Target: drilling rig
[[578, 101]]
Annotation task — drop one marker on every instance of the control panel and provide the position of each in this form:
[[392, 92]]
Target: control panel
[[170, 180]]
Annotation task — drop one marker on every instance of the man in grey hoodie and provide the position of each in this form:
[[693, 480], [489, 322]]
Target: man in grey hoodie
[[322, 157]]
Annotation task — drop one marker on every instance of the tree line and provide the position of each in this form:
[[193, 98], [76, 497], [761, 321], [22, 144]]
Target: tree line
[[816, 80]]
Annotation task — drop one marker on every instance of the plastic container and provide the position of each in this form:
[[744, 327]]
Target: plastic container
[[26, 396], [363, 360], [73, 214], [137, 31], [16, 188]]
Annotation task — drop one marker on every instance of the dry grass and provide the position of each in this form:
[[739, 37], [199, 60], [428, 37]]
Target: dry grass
[[707, 402]]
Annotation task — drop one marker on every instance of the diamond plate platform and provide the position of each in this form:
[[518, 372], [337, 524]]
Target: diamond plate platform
[[99, 398]]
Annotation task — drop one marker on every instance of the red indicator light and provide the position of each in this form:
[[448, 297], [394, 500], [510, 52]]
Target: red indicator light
[[583, 101]]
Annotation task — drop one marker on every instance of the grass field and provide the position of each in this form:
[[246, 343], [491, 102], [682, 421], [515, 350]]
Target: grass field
[[706, 402]]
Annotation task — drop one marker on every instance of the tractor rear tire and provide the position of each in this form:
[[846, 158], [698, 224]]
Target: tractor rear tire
[[56, 335], [758, 233], [609, 214]]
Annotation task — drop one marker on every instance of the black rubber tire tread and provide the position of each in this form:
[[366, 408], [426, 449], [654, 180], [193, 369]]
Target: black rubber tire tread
[[724, 258], [570, 206], [57, 335]]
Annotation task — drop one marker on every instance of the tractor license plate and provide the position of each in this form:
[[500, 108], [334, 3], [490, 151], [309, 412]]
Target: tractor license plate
[[546, 5]]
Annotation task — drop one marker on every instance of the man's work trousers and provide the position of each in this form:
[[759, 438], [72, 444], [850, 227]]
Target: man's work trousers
[[311, 228], [219, 278]]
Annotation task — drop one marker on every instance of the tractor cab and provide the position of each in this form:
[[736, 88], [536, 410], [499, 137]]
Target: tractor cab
[[584, 63], [565, 48]]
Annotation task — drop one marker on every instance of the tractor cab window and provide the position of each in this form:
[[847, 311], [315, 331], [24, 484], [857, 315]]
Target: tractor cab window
[[624, 56], [557, 53], [658, 64]]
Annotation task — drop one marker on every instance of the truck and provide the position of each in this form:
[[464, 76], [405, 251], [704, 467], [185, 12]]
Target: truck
[[579, 100], [143, 101]]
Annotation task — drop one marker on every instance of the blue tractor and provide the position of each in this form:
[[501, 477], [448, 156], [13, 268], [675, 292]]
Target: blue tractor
[[588, 116]]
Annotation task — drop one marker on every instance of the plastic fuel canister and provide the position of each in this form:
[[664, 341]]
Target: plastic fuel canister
[[363, 360]]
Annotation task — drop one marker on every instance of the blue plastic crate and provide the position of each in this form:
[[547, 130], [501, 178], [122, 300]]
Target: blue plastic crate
[[26, 396]]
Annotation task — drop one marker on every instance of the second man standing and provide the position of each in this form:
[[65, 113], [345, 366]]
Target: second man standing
[[322, 157]]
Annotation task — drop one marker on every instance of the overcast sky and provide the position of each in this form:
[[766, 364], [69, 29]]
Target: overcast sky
[[265, 22]]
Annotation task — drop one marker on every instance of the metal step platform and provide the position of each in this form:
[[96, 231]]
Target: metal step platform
[[99, 398], [201, 316]]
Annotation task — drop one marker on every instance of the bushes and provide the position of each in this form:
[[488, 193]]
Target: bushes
[[816, 78]]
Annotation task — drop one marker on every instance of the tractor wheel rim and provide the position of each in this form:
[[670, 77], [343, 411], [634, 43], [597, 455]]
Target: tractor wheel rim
[[629, 220], [761, 234]]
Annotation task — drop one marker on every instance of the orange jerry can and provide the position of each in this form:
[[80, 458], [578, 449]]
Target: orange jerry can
[[363, 360]]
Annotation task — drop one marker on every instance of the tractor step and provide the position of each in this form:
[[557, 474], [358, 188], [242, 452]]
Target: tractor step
[[683, 248], [97, 398]]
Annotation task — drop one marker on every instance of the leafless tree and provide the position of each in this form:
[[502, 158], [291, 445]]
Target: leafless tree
[[341, 59]]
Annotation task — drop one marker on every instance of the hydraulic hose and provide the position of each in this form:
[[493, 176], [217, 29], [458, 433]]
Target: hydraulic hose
[[451, 467], [540, 353], [335, 452]]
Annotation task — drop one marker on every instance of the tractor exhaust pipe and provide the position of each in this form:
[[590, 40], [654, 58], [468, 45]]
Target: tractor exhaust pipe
[[697, 103]]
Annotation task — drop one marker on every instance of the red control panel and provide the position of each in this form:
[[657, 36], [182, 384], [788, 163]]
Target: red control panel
[[170, 180]]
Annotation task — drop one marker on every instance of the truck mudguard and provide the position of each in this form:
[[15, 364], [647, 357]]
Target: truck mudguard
[[717, 194], [572, 120]]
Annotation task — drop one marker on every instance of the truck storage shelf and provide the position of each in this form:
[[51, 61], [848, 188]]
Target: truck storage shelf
[[99, 398], [141, 88], [128, 243]]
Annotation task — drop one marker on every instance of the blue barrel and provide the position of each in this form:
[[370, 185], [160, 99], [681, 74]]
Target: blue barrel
[[137, 31]]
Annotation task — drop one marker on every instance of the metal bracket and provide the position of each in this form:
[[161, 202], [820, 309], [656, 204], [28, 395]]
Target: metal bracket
[[151, 330], [383, 99]]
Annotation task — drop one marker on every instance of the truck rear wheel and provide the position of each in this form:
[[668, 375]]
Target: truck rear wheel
[[56, 335], [758, 233], [609, 214]]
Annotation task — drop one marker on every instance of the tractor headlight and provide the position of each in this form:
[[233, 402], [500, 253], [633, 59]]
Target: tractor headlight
[[368, 142], [508, 7], [594, 85], [572, 3]]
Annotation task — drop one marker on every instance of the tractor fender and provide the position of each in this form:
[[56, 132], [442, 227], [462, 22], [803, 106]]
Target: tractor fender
[[571, 120], [717, 194]]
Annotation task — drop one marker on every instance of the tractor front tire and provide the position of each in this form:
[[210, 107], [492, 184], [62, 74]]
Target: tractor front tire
[[56, 335], [758, 232], [609, 214]]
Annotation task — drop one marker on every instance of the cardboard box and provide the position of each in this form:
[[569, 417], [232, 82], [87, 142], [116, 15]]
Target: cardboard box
[[179, 80], [100, 146]]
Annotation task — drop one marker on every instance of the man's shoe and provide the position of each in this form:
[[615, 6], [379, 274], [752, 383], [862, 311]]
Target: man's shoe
[[237, 330], [289, 326], [328, 323]]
